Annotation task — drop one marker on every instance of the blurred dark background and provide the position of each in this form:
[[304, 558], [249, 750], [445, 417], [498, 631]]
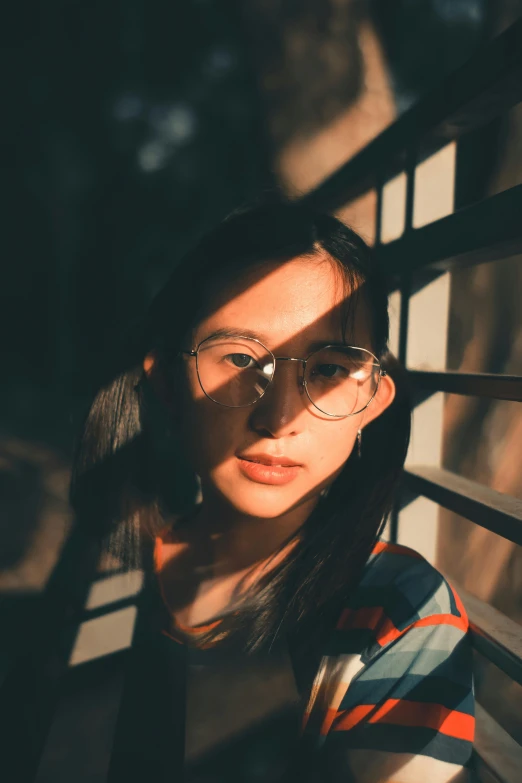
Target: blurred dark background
[[130, 128]]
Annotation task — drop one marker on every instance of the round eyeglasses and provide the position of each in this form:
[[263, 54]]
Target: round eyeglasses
[[339, 380]]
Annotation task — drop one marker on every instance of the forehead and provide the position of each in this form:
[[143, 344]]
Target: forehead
[[291, 303]]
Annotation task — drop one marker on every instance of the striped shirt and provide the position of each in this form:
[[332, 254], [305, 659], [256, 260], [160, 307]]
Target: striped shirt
[[392, 699]]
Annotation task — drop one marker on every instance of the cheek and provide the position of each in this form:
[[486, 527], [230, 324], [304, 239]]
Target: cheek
[[211, 433], [333, 444]]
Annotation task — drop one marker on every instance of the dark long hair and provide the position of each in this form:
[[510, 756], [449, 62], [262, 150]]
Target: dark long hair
[[122, 479]]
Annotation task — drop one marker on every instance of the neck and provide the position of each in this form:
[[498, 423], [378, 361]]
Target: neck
[[240, 540]]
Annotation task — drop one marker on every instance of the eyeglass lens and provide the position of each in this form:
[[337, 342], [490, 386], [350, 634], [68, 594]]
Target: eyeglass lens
[[237, 371]]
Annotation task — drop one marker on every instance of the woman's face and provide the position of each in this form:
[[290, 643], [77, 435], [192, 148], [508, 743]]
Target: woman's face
[[291, 307]]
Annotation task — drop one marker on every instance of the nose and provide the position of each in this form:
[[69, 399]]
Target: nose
[[280, 412]]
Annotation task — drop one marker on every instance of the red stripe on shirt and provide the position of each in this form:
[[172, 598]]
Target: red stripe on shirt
[[401, 712], [373, 618], [395, 549], [195, 629]]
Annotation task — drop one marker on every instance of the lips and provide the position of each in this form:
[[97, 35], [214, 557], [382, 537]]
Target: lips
[[272, 460], [268, 469]]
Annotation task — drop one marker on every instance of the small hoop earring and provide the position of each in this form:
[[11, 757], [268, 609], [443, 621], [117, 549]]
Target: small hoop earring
[[359, 440]]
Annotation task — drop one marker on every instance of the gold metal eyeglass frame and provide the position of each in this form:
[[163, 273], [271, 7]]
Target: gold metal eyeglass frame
[[195, 352]]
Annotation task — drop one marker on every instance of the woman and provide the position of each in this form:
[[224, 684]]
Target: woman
[[265, 361]]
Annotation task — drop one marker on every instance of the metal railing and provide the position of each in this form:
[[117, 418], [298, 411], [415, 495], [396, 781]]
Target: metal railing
[[485, 87]]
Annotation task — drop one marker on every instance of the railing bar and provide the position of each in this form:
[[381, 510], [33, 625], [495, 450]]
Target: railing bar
[[411, 161], [484, 87], [394, 523], [402, 348], [378, 213], [486, 646], [406, 280], [498, 387], [499, 752], [495, 636], [502, 514], [486, 231], [404, 315], [404, 307], [482, 774]]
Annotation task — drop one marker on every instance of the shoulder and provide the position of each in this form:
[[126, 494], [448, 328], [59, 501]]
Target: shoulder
[[399, 591], [401, 671]]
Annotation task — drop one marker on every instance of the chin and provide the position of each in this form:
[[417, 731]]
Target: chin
[[263, 501]]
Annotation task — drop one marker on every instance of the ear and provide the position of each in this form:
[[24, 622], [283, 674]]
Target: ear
[[382, 400], [159, 381]]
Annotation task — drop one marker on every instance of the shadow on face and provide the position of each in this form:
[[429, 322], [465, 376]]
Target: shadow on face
[[281, 309]]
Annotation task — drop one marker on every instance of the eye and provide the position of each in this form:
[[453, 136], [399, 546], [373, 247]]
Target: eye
[[240, 360], [331, 371]]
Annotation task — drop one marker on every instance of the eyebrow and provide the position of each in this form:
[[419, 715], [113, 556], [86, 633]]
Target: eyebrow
[[232, 332]]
